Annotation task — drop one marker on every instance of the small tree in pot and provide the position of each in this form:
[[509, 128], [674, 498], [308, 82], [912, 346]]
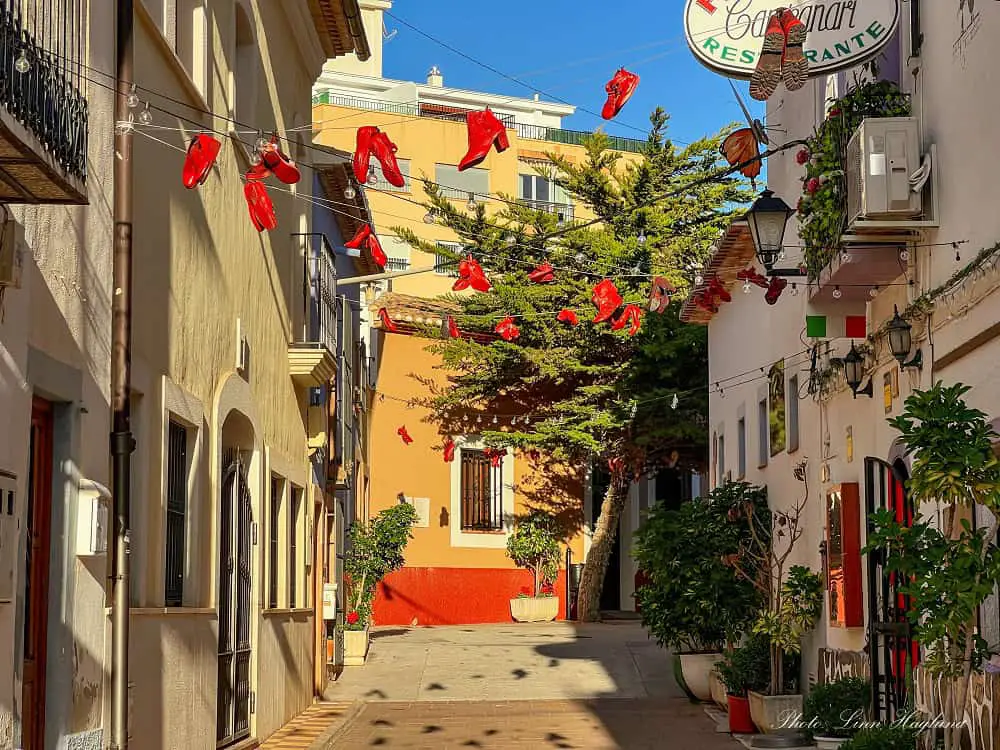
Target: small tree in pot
[[834, 711], [534, 544], [742, 669]]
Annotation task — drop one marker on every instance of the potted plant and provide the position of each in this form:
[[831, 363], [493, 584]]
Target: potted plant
[[884, 737], [534, 544], [693, 602], [793, 601], [832, 711], [742, 669], [949, 571], [375, 550]]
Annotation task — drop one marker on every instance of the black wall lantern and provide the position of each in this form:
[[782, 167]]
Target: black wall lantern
[[900, 341], [854, 372], [768, 217]]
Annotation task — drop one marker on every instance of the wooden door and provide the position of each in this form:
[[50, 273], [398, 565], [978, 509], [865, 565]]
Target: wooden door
[[36, 592]]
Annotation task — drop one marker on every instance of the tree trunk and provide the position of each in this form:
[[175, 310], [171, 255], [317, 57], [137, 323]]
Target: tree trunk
[[588, 606]]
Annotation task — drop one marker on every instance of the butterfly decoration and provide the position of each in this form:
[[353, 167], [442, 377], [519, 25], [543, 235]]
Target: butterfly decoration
[[744, 144]]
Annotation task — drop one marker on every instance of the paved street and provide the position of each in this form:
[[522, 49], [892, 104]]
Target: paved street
[[552, 685]]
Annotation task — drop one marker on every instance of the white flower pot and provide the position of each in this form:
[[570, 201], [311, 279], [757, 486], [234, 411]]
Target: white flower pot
[[355, 647], [696, 668], [828, 743], [534, 609], [773, 712], [718, 690]]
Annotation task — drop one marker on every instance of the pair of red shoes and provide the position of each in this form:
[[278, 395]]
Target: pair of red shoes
[[272, 162], [470, 273], [372, 141], [507, 330], [620, 89], [607, 299], [405, 435], [365, 237], [485, 131], [753, 276], [568, 316], [781, 57], [660, 294], [775, 286], [495, 456], [631, 314], [543, 274]]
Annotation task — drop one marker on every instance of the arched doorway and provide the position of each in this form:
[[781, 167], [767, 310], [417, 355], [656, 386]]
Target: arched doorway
[[235, 582], [892, 651]]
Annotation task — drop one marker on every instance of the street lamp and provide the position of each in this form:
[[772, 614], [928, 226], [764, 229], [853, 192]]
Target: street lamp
[[767, 218], [854, 371], [900, 341]]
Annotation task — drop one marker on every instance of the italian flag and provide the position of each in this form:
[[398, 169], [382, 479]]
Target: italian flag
[[836, 326]]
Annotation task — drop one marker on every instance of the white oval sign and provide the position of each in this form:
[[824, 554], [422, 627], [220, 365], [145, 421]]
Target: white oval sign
[[727, 35]]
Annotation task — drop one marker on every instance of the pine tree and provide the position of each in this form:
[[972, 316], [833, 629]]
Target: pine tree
[[593, 393]]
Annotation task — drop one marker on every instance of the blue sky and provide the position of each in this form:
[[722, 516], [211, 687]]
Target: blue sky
[[568, 49]]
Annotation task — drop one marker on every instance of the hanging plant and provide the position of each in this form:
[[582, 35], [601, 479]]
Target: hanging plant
[[823, 208]]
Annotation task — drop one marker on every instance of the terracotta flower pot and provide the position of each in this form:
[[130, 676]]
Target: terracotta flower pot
[[739, 715]]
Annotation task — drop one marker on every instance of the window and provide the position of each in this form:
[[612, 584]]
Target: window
[[383, 184], [482, 492], [191, 39], [721, 468], [177, 497], [544, 195], [293, 546], [444, 263], [246, 65], [762, 433], [741, 447], [793, 414], [458, 185], [277, 490]]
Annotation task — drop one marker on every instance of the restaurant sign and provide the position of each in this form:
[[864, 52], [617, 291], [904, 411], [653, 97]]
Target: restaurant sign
[[727, 35]]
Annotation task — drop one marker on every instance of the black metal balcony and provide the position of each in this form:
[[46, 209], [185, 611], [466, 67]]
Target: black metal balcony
[[43, 121], [312, 356]]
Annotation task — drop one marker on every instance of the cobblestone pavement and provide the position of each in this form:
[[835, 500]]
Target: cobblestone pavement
[[608, 724]]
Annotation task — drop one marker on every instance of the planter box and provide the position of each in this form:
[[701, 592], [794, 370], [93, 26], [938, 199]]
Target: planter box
[[773, 712], [534, 609], [739, 715], [718, 690], [828, 743], [355, 647], [696, 668]]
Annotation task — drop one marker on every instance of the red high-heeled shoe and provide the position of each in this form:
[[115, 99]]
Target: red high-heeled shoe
[[620, 89], [360, 238], [774, 290], [388, 322], [405, 435], [752, 275], [568, 316], [607, 299], [543, 274], [282, 167], [385, 152], [453, 328], [363, 153], [200, 157], [659, 295], [716, 289], [449, 451], [507, 330], [485, 130], [375, 248], [260, 206]]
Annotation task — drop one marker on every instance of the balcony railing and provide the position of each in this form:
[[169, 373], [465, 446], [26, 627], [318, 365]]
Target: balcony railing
[[42, 46], [532, 132], [312, 355], [562, 211], [397, 264]]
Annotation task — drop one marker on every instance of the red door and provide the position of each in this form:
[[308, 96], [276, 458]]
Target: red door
[[36, 592]]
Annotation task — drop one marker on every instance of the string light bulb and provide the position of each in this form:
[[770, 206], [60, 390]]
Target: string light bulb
[[372, 177], [471, 205], [495, 420], [746, 287], [904, 255], [958, 255], [527, 419], [673, 402], [698, 278], [21, 64], [510, 239], [479, 419], [642, 237], [795, 290], [350, 193], [133, 98], [146, 117], [429, 217], [845, 257], [873, 292], [837, 294]]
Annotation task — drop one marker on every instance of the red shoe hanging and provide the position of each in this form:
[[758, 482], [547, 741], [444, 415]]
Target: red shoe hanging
[[568, 316], [752, 275], [360, 238], [449, 451], [405, 435], [375, 248], [543, 274], [775, 289], [371, 140], [470, 273], [631, 314], [388, 322], [485, 130], [507, 330], [201, 155], [659, 295], [705, 302], [260, 206], [282, 167], [716, 289], [606, 298], [495, 456], [620, 89], [452, 328]]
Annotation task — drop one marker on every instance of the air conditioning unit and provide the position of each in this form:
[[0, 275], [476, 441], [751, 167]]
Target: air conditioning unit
[[881, 156]]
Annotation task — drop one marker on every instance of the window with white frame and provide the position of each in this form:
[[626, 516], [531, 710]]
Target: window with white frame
[[482, 495], [543, 194], [246, 68], [274, 541], [294, 548]]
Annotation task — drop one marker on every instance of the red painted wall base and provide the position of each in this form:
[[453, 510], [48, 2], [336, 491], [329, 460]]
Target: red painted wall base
[[453, 596]]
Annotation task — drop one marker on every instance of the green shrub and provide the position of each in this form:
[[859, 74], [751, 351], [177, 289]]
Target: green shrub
[[832, 708], [747, 667], [534, 544], [887, 737]]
